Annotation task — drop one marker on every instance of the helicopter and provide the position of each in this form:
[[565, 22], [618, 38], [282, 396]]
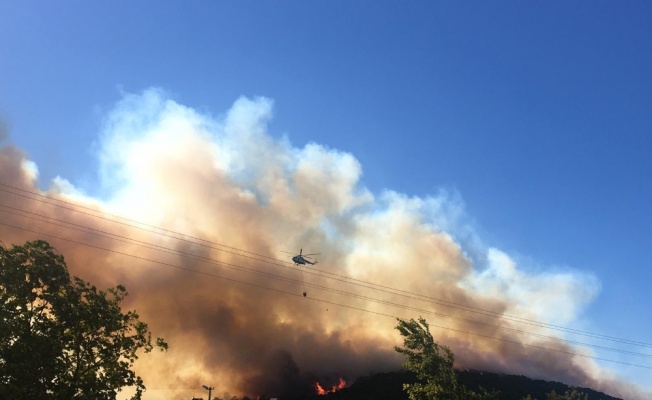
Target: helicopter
[[303, 259]]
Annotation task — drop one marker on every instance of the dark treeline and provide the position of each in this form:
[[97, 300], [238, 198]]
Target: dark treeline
[[389, 386]]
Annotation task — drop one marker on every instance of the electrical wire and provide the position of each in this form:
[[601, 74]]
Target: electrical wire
[[232, 250], [332, 303], [274, 276], [348, 305], [315, 286]]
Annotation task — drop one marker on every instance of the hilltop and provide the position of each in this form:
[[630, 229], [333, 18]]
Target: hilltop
[[389, 386]]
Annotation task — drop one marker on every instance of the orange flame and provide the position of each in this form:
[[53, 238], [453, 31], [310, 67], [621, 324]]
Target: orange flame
[[321, 391]]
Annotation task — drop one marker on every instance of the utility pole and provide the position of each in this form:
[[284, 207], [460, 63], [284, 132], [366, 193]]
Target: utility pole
[[209, 388]]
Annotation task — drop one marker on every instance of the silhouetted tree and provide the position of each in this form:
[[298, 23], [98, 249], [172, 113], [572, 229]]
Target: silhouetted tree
[[433, 365], [63, 339]]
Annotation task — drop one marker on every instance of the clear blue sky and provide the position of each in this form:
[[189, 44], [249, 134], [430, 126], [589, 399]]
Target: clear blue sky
[[538, 114]]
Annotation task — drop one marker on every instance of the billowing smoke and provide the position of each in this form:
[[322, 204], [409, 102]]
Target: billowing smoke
[[208, 205]]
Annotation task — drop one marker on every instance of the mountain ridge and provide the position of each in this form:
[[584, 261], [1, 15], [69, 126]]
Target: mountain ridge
[[389, 386]]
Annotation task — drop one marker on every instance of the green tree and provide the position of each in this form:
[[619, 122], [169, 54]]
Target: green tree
[[570, 394], [62, 338], [433, 365]]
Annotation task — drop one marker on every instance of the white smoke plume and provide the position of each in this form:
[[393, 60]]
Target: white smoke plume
[[215, 283]]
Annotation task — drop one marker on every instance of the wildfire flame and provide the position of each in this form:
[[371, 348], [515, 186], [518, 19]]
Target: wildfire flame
[[321, 391]]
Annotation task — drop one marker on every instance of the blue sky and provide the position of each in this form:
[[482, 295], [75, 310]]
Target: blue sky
[[536, 114]]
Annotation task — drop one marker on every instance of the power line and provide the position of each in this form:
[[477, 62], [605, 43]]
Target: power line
[[162, 248], [380, 301], [267, 259], [515, 342], [325, 288], [119, 219]]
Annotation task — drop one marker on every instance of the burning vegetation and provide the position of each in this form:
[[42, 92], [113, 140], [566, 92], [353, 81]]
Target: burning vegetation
[[321, 391]]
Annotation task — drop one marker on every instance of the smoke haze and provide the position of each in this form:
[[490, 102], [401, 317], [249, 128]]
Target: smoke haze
[[227, 199]]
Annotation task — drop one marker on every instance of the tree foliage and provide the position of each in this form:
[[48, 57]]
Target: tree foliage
[[433, 365], [63, 338], [570, 394]]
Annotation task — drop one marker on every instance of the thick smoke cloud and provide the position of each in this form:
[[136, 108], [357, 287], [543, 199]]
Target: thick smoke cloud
[[213, 280]]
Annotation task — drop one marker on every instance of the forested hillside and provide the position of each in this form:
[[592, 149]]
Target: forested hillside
[[389, 386]]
